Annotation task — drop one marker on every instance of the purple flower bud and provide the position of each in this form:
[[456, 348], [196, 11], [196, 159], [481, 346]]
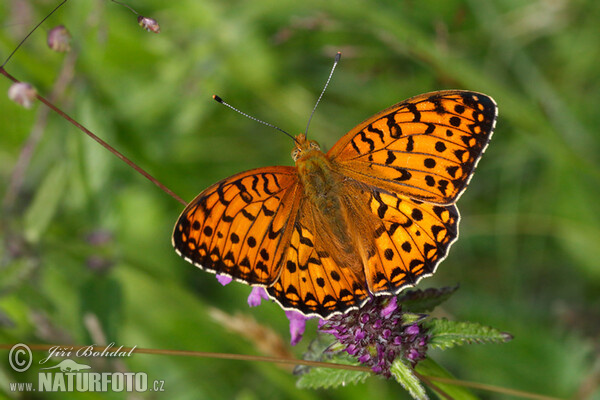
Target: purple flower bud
[[297, 326], [380, 351], [364, 358], [412, 354], [386, 333], [412, 330], [351, 349], [224, 279], [390, 308], [256, 296], [359, 334], [148, 24], [59, 39], [364, 318], [22, 93]]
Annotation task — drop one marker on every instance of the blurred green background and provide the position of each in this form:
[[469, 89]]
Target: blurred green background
[[86, 254]]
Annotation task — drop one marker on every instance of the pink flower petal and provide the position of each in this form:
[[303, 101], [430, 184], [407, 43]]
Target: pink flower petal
[[297, 326], [257, 295], [224, 279]]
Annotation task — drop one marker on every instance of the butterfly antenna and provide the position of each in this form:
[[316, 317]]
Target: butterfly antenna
[[335, 62], [220, 100]]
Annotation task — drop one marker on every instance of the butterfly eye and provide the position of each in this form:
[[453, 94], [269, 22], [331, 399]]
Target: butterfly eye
[[295, 154], [315, 145]]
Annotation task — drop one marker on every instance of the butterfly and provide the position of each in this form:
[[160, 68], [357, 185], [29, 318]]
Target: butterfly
[[372, 216]]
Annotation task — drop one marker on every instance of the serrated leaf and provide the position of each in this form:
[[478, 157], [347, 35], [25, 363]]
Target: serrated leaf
[[446, 334], [406, 377], [422, 301], [430, 369], [45, 203], [324, 378], [319, 349]]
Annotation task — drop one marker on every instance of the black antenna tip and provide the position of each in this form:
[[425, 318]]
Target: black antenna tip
[[217, 98], [338, 56]]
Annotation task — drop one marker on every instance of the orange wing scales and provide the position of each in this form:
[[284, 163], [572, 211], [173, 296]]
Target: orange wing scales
[[236, 227], [412, 240], [374, 215], [426, 147], [311, 281]]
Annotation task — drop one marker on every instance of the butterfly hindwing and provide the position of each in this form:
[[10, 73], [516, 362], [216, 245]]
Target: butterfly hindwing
[[425, 147], [412, 239], [237, 226], [311, 281]]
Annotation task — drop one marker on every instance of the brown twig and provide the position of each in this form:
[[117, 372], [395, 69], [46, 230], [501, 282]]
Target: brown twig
[[201, 354], [492, 388], [100, 141], [427, 381]]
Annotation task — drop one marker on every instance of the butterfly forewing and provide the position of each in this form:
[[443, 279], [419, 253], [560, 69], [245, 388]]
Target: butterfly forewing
[[237, 227], [425, 148]]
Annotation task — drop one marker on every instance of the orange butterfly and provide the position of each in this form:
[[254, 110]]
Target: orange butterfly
[[372, 216]]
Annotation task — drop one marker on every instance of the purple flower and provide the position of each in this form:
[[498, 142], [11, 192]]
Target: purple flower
[[297, 325], [297, 320], [22, 93], [224, 279], [257, 295], [148, 24], [412, 329], [59, 39], [376, 336], [390, 308]]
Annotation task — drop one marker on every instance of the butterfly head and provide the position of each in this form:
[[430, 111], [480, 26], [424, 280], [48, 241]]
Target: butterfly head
[[304, 147]]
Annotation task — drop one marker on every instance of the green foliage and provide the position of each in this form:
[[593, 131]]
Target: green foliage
[[422, 301], [446, 334], [405, 376], [527, 257], [317, 378], [45, 204], [431, 369]]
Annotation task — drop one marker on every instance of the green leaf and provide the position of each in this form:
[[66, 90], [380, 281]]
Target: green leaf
[[406, 377], [430, 369], [322, 348], [422, 301], [409, 318], [44, 205], [446, 334], [102, 296], [325, 378]]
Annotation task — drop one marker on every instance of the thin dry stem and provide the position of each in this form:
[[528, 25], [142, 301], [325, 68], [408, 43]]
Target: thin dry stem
[[201, 354], [16, 180], [491, 388], [100, 141]]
